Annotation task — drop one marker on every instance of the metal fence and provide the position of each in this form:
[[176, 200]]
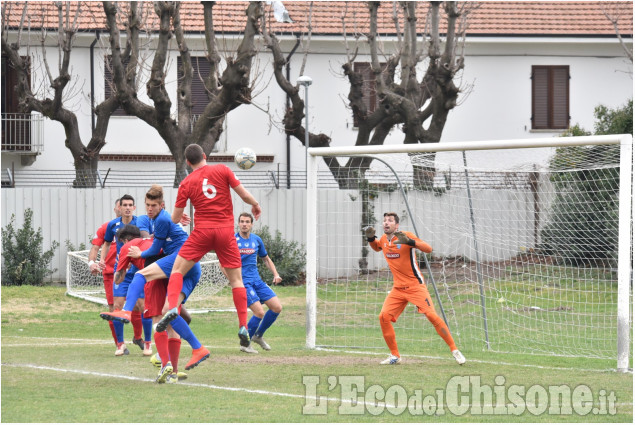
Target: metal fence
[[112, 178], [22, 133]]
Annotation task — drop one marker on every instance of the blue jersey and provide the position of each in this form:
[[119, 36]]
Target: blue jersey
[[145, 223], [173, 233], [167, 235], [111, 233], [112, 228], [249, 248]]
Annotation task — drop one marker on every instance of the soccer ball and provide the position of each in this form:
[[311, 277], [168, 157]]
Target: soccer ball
[[245, 158]]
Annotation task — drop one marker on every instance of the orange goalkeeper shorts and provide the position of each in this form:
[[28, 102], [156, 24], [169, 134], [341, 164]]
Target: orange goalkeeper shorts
[[398, 299]]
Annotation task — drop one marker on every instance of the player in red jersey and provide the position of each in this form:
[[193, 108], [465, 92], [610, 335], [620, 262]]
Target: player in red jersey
[[106, 264], [168, 344], [408, 284], [208, 188]]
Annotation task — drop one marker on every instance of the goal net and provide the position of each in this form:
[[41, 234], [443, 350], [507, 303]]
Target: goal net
[[532, 245], [207, 296]]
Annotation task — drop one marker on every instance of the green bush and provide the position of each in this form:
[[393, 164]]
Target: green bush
[[289, 258], [24, 263], [583, 219]]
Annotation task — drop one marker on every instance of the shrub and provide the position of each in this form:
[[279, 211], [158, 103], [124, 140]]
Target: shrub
[[583, 229], [289, 258], [24, 261]]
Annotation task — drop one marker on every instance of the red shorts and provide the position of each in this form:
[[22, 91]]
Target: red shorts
[[221, 240], [155, 292], [108, 279]]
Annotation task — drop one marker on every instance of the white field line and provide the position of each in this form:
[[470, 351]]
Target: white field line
[[494, 362], [78, 341], [318, 399], [189, 384]]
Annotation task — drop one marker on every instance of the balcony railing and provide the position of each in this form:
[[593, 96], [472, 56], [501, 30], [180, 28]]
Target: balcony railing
[[22, 133]]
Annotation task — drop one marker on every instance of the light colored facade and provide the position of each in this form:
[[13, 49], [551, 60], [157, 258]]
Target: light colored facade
[[495, 103]]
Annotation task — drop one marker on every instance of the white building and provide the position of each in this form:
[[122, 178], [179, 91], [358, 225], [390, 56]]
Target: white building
[[505, 40]]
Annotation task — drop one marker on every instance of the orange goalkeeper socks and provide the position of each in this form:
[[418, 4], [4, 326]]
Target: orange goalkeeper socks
[[442, 330], [389, 334]]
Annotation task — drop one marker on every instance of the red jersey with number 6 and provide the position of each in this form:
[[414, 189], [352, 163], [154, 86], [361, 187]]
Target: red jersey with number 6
[[208, 188]]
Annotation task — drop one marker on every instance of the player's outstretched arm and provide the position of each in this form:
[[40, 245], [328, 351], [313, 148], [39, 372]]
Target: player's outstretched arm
[[413, 241], [177, 215], [248, 198], [369, 232]]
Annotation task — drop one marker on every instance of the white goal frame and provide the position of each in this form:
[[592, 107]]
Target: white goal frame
[[626, 200], [202, 300]]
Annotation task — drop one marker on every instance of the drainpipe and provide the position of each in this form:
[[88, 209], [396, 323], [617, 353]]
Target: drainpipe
[[297, 43], [92, 80]]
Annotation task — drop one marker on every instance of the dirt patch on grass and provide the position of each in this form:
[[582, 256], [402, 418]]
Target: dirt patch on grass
[[312, 360]]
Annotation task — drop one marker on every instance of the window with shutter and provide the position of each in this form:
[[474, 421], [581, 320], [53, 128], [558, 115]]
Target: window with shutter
[[550, 97], [201, 70], [109, 85], [369, 95]]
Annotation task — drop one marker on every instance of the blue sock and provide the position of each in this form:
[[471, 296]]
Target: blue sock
[[253, 325], [181, 327], [118, 330], [147, 328], [267, 321], [135, 290]]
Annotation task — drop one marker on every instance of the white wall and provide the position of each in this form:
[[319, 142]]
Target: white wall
[[443, 221], [496, 103]]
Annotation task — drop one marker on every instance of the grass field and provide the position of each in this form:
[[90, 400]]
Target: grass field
[[58, 366]]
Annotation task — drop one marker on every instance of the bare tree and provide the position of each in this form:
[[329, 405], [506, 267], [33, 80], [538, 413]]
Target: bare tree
[[613, 12], [226, 90], [420, 106], [50, 102]]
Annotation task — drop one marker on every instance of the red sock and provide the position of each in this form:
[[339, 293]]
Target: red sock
[[174, 346], [240, 302], [112, 330], [137, 326], [174, 289], [161, 341]]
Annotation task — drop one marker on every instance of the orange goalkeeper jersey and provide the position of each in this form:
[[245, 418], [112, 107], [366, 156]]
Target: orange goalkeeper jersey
[[402, 259]]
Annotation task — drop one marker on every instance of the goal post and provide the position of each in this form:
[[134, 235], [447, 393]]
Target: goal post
[[545, 287], [208, 295]]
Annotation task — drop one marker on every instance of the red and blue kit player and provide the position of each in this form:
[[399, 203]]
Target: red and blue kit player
[[168, 343], [208, 189], [119, 291], [408, 285], [106, 264], [258, 292]]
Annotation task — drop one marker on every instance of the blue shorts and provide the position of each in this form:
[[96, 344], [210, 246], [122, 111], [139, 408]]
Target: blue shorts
[[190, 280], [121, 290], [258, 291]]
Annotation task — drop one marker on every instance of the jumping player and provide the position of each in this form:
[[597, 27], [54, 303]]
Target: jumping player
[[251, 247], [408, 284], [168, 343], [208, 188]]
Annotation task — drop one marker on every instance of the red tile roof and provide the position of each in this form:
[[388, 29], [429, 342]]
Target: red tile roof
[[490, 18]]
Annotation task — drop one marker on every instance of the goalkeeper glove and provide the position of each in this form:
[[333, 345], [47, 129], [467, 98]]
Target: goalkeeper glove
[[369, 231], [402, 238]]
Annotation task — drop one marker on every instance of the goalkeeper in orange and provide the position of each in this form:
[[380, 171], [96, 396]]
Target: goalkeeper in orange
[[408, 284]]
